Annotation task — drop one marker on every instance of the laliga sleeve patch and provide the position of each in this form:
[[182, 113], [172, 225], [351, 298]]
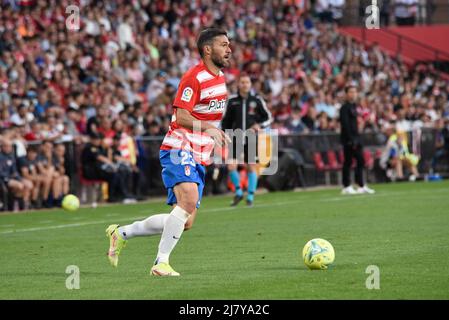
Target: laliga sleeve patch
[[187, 94]]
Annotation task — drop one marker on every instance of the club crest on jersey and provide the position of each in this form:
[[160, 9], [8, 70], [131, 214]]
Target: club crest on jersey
[[187, 170], [187, 94], [216, 105]]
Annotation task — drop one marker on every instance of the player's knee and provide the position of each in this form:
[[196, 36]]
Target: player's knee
[[189, 205]]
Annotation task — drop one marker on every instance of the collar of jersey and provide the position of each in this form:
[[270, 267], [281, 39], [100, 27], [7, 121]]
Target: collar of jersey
[[207, 69]]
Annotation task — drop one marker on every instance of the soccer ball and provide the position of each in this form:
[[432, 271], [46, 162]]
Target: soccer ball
[[318, 254], [70, 202]]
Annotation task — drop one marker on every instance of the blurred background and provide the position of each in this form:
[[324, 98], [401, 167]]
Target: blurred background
[[64, 92]]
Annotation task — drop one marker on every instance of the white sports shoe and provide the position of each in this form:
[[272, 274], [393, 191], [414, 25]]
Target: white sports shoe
[[348, 190], [365, 189]]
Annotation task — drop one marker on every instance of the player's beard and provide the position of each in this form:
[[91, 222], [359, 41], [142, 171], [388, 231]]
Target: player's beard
[[219, 62]]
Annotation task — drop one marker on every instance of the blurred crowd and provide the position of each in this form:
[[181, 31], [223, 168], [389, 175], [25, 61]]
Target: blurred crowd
[[116, 76]]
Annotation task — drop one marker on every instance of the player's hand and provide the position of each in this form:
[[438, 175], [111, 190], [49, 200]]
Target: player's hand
[[255, 127], [221, 139]]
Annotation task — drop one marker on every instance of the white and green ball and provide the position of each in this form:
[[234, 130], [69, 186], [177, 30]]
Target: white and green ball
[[318, 254], [70, 202]]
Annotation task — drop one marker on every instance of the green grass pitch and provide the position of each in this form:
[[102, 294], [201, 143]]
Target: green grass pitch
[[241, 253]]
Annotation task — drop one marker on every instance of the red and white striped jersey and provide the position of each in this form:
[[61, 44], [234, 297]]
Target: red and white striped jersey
[[204, 95]]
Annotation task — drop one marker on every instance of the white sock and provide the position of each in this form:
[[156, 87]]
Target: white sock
[[150, 226], [174, 226]]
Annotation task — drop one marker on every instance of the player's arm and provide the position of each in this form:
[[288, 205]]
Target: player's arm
[[265, 115], [185, 119], [187, 96]]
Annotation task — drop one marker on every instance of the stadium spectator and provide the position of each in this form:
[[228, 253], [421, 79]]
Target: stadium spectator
[[97, 166], [63, 181], [27, 167], [396, 156], [48, 166], [135, 51], [23, 117], [127, 171], [352, 144], [405, 12], [18, 186], [295, 124], [441, 144], [336, 7]]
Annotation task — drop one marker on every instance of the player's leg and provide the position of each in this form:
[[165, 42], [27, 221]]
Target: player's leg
[[363, 188], [250, 157], [187, 197], [252, 183], [188, 192], [234, 174], [150, 226], [346, 171], [360, 164], [235, 179]]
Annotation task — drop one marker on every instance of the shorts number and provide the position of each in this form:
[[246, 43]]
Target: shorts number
[[186, 159]]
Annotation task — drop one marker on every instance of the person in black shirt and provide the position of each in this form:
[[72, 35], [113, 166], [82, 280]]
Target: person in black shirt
[[442, 143], [245, 111], [27, 166], [352, 144], [125, 169], [10, 177], [97, 166]]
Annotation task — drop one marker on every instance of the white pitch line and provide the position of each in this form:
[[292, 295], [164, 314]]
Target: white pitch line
[[71, 225], [262, 205]]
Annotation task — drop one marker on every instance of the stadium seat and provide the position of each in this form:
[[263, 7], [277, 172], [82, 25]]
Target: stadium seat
[[319, 163], [369, 160], [334, 164], [321, 166], [89, 188]]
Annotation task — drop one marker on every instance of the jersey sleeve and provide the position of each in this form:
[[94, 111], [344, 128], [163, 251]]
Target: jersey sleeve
[[188, 93]]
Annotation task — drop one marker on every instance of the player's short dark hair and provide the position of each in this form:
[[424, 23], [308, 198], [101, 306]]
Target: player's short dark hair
[[207, 36]]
